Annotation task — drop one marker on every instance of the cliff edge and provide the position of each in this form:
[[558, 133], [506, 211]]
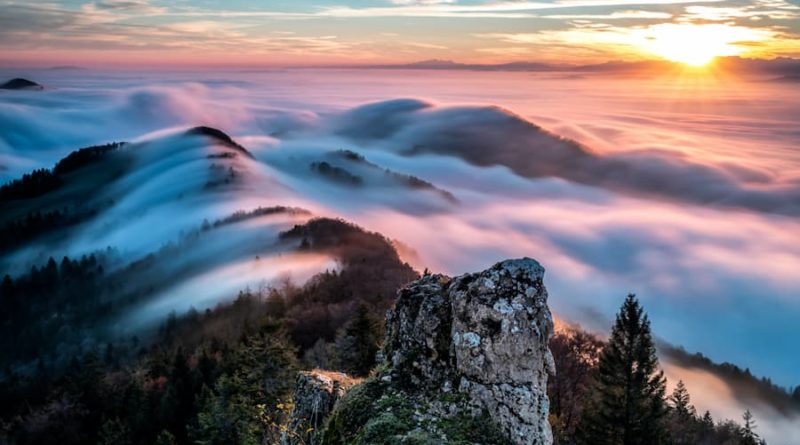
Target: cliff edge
[[465, 360]]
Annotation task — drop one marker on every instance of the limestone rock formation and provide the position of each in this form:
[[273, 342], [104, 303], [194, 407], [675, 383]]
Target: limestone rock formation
[[466, 361], [315, 394]]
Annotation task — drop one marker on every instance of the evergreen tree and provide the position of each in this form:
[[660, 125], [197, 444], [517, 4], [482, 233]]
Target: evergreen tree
[[226, 417], [681, 402], [357, 343], [708, 421], [181, 394], [683, 423], [627, 405], [749, 436], [706, 430]]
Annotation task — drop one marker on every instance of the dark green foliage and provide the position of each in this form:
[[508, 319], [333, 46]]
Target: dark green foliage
[[49, 306], [466, 430], [573, 394], [628, 406], [358, 342], [210, 377], [352, 413], [216, 391], [376, 413], [372, 273]]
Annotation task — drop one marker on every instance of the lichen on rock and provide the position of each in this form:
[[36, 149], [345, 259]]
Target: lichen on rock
[[315, 394], [466, 361]]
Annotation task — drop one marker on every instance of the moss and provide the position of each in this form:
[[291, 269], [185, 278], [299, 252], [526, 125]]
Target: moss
[[352, 412], [421, 437], [385, 429], [464, 429]]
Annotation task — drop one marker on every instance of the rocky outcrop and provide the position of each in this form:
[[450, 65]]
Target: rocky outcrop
[[314, 397], [466, 360]]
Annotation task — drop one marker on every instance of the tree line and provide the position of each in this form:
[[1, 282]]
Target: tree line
[[614, 393]]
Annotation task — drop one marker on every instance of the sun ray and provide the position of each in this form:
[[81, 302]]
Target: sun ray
[[696, 45]]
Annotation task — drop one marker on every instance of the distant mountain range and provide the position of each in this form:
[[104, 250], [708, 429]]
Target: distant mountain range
[[784, 66]]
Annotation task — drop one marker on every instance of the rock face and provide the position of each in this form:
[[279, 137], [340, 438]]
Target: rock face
[[315, 394], [470, 350]]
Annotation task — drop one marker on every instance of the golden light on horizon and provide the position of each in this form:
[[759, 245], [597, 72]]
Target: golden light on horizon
[[697, 45]]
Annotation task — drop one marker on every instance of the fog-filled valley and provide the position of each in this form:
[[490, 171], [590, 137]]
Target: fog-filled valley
[[141, 207]]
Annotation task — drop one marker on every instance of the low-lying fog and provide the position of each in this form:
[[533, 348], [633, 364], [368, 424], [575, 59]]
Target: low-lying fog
[[684, 191]]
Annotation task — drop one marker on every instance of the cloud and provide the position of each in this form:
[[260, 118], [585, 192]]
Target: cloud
[[634, 206], [491, 136], [124, 7], [509, 9], [587, 38], [616, 15], [182, 34], [711, 392]]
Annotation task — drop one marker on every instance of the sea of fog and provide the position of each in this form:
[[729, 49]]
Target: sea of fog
[[685, 191]]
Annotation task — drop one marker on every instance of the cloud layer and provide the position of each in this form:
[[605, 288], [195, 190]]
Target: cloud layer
[[688, 199]]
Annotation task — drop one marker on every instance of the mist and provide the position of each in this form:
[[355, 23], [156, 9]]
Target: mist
[[690, 202]]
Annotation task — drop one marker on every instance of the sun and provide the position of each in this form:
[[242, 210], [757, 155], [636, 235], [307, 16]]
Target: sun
[[696, 45]]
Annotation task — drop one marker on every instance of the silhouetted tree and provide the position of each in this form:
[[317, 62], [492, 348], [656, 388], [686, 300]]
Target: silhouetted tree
[[627, 407], [683, 423], [749, 436]]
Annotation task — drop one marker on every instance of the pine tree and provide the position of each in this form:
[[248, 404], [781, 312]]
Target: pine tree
[[706, 429], [681, 402], [627, 405], [749, 436], [357, 343], [708, 421], [683, 426]]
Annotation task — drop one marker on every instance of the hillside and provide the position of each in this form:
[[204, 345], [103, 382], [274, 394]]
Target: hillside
[[20, 84]]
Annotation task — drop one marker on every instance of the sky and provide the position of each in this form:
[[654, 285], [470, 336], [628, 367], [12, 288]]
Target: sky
[[310, 32]]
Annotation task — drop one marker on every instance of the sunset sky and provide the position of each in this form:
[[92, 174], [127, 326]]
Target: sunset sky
[[301, 32]]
